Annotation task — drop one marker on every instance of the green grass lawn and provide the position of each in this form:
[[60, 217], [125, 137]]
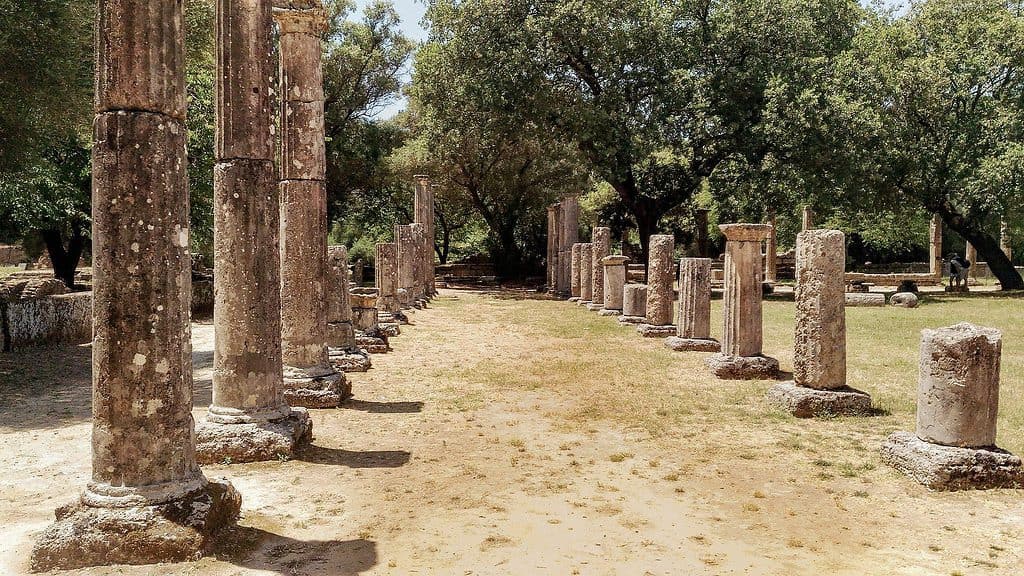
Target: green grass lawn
[[6, 270]]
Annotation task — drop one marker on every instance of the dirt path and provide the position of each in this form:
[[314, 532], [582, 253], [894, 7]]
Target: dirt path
[[508, 436]]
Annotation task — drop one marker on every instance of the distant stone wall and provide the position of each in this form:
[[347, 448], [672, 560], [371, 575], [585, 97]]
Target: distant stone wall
[[63, 319], [456, 271], [11, 255]]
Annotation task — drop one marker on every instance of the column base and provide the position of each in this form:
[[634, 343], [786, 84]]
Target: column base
[[627, 320], [390, 329], [583, 302], [595, 306], [321, 391], [949, 468], [804, 402], [609, 312], [349, 359], [372, 344], [574, 299], [728, 367], [652, 331], [678, 344], [253, 441], [178, 531]]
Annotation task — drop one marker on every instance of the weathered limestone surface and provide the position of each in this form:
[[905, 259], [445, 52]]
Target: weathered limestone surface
[[586, 273], [64, 319], [148, 501], [948, 468], [819, 352], [904, 300], [660, 276], [406, 251], [423, 213], [575, 271], [771, 249], [958, 392], [867, 299], [386, 277], [552, 254], [341, 336], [1005, 239], [741, 356], [369, 335], [935, 246], [808, 218], [614, 283], [569, 234], [634, 304], [693, 328], [601, 240]]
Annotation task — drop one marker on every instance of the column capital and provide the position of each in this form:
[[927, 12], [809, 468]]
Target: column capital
[[746, 232], [300, 17]]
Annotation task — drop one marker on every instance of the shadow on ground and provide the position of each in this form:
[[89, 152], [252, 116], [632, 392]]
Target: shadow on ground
[[355, 459], [257, 549], [384, 407], [46, 387]]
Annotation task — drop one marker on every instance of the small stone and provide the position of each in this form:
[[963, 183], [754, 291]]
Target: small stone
[[904, 300], [862, 300], [728, 367]]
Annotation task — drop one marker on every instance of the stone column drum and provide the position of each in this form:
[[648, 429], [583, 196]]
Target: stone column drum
[[819, 355], [634, 304], [365, 319], [771, 252], [1005, 239], [574, 272], [935, 246], [310, 379], [406, 252], [386, 278], [741, 357], [552, 259], [808, 219], [614, 283], [660, 292], [586, 274], [957, 407], [148, 501], [693, 329], [423, 213], [249, 419], [601, 240], [419, 242], [345, 355], [569, 234]]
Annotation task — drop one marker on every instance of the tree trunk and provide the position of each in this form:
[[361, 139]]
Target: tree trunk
[[65, 259], [987, 246]]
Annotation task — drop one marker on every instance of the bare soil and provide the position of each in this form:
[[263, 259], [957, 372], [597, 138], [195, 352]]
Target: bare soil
[[508, 435]]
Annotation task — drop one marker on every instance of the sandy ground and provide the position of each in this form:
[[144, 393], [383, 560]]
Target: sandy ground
[[469, 451]]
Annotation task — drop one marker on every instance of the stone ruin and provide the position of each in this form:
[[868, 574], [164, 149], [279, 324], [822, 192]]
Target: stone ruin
[[693, 329], [344, 354], [600, 248], [369, 335], [634, 304], [586, 274], [575, 278], [954, 447], [614, 284], [658, 322], [741, 357], [819, 356]]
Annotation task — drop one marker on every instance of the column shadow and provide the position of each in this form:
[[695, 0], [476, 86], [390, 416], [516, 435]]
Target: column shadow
[[354, 459], [384, 407], [267, 552]]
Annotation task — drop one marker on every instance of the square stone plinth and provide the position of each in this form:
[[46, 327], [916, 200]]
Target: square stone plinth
[[950, 468], [678, 344], [652, 331], [595, 307], [373, 344], [727, 367], [178, 531], [627, 320], [607, 312], [804, 402], [350, 360], [327, 391], [253, 441]]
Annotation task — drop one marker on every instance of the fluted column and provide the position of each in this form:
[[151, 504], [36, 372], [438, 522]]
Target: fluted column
[[660, 292], [693, 328], [144, 464], [601, 240]]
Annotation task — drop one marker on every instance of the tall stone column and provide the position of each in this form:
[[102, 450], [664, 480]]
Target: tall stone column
[[569, 234], [341, 336], [1005, 239], [660, 292], [614, 284], [249, 419], [634, 304], [423, 213], [310, 379], [741, 357], [808, 219], [601, 241], [406, 253], [700, 218], [419, 239], [586, 273], [386, 278], [971, 254], [575, 277], [957, 408], [553, 245], [148, 501], [935, 246], [771, 252], [693, 329], [819, 353]]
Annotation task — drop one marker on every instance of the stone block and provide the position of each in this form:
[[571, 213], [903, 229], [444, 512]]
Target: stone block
[[948, 468], [804, 402]]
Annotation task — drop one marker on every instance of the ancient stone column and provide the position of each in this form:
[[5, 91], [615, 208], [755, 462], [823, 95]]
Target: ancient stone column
[[249, 419], [147, 501], [1005, 239], [574, 272], [634, 304], [386, 277], [957, 408], [935, 246], [693, 329], [569, 234], [345, 355], [602, 247], [553, 244], [741, 357], [310, 379], [614, 283], [700, 218], [771, 253], [419, 239], [808, 219], [407, 252], [423, 213], [660, 292], [819, 355], [586, 273], [971, 254], [365, 320]]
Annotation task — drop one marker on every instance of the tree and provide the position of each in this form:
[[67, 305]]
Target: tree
[[927, 109]]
